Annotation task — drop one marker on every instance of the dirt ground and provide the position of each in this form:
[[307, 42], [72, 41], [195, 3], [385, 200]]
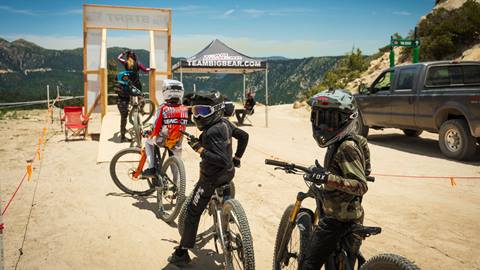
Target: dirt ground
[[80, 219]]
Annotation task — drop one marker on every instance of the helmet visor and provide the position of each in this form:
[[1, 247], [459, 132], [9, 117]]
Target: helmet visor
[[329, 120]]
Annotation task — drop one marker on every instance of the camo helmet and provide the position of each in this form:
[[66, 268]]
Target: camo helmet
[[333, 116]]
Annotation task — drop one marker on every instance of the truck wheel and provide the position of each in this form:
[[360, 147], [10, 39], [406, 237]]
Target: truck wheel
[[455, 140], [412, 132], [359, 128]]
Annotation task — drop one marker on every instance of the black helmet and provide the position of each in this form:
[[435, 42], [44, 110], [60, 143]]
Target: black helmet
[[333, 115], [207, 108]]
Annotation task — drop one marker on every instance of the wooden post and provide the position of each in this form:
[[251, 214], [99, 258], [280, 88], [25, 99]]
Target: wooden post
[[1, 238], [169, 60], [48, 96], [152, 76], [102, 76], [243, 97], [85, 67], [266, 95]]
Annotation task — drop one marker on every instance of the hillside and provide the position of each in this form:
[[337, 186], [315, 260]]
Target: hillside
[[26, 69], [449, 32]]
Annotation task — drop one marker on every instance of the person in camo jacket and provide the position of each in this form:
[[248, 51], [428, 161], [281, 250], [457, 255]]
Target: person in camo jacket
[[346, 167]]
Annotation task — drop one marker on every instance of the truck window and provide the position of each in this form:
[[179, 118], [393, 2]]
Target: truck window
[[471, 74], [453, 75], [405, 79], [383, 83]]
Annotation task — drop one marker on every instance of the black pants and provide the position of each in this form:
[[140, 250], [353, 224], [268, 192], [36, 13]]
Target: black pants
[[122, 105], [241, 114], [323, 242], [202, 193]]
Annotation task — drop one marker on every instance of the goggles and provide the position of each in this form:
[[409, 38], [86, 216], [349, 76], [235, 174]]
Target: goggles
[[206, 110]]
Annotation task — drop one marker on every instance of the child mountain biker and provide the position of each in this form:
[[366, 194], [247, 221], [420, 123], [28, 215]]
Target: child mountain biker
[[216, 167], [170, 119], [124, 88], [347, 165]]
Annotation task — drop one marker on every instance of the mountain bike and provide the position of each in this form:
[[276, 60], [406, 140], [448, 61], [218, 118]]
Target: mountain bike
[[146, 109], [169, 183], [296, 227], [230, 226], [136, 131]]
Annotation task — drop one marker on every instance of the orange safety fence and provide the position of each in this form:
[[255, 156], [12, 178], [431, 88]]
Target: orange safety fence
[[40, 147], [452, 179]]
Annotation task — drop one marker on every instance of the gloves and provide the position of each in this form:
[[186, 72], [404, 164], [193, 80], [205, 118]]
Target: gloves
[[318, 175], [236, 162], [195, 144], [146, 133]]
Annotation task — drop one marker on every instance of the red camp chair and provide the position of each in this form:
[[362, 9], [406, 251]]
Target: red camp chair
[[75, 121]]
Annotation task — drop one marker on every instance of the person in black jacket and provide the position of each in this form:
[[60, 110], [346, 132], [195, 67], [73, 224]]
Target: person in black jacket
[[217, 164], [247, 109]]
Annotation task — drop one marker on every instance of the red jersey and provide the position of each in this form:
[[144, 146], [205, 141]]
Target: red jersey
[[170, 120]]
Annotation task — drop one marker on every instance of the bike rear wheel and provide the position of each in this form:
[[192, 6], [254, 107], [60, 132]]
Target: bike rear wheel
[[122, 168], [388, 261], [146, 111], [239, 248], [171, 196], [292, 239]]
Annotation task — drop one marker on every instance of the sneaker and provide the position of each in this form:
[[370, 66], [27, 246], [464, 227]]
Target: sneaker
[[148, 173], [180, 257]]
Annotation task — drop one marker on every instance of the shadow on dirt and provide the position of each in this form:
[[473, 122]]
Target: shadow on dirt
[[143, 203], [419, 146]]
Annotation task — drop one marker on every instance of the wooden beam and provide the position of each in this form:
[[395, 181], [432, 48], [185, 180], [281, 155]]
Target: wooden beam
[[125, 7], [91, 71], [90, 111], [128, 28]]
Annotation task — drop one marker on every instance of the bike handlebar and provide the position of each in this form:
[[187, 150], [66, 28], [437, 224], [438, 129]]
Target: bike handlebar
[[287, 166], [293, 167], [188, 135]]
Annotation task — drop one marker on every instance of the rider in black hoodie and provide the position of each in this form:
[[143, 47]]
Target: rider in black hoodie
[[217, 164]]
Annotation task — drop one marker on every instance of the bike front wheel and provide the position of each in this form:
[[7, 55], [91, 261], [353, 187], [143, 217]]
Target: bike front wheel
[[172, 194], [292, 239], [123, 168], [239, 244], [388, 261]]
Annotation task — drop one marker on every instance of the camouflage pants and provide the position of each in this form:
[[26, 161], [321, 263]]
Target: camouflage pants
[[323, 242], [123, 109]]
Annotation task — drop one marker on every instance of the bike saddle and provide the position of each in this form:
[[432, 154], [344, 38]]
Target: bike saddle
[[365, 231]]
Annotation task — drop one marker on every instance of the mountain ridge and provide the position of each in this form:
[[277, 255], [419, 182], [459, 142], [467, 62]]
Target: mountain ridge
[[26, 69]]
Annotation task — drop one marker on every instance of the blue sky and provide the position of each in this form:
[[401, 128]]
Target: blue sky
[[258, 28]]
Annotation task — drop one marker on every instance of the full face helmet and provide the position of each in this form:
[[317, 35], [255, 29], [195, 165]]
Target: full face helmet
[[207, 108], [333, 115], [123, 77], [172, 91]]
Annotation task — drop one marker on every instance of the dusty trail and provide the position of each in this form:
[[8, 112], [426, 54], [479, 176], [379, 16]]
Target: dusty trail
[[80, 219]]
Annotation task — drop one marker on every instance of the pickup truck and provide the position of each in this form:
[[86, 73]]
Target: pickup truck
[[440, 97]]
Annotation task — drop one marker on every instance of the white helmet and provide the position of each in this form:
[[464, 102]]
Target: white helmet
[[172, 89]]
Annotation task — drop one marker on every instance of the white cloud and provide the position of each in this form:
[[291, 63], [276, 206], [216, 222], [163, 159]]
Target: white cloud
[[228, 12], [18, 11], [70, 12], [254, 12], [188, 45], [402, 13]]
